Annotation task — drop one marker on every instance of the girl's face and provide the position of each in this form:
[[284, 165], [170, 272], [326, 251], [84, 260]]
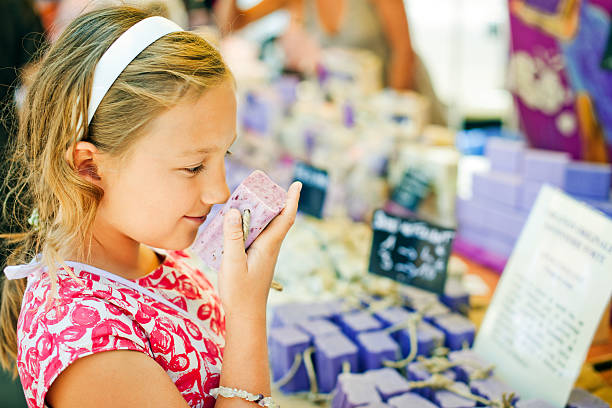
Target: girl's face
[[162, 191]]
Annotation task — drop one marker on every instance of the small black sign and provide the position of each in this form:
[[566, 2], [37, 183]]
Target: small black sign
[[314, 188], [410, 251], [412, 189], [606, 61]]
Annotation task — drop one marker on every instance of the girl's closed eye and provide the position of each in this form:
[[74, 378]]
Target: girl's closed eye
[[199, 168]]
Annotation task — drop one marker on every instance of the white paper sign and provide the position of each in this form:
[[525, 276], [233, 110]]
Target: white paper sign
[[550, 299]]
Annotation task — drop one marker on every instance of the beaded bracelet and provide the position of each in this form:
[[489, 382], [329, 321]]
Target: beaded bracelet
[[259, 399]]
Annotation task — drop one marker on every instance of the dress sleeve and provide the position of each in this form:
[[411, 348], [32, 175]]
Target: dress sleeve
[[57, 337]]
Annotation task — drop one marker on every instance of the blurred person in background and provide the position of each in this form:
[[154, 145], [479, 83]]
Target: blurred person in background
[[379, 26], [21, 36]]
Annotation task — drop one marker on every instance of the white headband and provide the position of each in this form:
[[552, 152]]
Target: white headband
[[122, 52]]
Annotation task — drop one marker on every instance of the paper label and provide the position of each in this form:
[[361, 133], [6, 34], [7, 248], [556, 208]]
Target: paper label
[[550, 299]]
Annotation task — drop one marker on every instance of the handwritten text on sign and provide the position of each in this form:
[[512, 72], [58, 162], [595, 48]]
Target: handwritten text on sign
[[410, 251], [550, 299]]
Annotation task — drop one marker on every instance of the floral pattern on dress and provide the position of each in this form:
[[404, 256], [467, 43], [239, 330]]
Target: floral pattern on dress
[[100, 314]]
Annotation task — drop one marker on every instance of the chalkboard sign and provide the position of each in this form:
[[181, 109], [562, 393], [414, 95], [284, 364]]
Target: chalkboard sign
[[314, 188], [410, 251], [413, 187]]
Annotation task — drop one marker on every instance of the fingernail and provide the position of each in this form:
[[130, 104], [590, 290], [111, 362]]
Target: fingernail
[[234, 216], [299, 187]]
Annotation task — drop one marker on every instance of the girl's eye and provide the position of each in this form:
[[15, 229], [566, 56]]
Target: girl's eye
[[195, 170]]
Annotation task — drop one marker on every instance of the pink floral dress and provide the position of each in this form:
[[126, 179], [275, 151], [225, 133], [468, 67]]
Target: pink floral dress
[[179, 323]]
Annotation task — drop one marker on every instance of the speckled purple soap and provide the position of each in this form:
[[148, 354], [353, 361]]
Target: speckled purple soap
[[358, 322], [580, 398], [448, 399], [332, 352], [257, 193], [375, 348], [284, 344], [354, 391], [458, 330], [469, 363], [388, 382], [410, 400]]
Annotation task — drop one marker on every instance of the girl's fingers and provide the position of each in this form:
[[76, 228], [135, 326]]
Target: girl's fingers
[[234, 257]]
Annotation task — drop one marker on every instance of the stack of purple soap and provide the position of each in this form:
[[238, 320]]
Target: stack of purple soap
[[388, 382], [332, 353], [580, 398], [375, 348], [285, 344], [354, 391], [459, 330], [358, 322], [448, 399], [410, 400]]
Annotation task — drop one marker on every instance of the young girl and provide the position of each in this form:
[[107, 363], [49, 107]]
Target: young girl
[[121, 149]]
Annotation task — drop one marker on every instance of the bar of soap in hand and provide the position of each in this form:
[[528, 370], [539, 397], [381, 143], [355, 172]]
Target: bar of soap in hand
[[258, 194]]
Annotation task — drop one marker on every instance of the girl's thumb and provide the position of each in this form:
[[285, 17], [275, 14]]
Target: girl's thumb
[[233, 241]]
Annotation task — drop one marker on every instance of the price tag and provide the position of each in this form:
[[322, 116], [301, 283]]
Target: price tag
[[410, 251], [314, 188], [412, 189]]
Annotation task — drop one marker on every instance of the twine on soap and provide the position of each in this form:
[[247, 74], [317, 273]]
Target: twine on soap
[[411, 324]]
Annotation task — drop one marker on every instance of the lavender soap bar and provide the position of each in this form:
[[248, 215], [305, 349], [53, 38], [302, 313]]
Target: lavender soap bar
[[285, 344], [258, 194], [354, 391], [333, 352], [388, 382], [375, 348]]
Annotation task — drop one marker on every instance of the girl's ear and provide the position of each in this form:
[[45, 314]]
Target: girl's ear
[[84, 158]]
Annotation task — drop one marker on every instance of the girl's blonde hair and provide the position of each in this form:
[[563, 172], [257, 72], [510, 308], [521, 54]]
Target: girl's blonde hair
[[41, 178]]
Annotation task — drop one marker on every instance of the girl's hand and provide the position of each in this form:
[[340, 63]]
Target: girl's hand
[[245, 278]]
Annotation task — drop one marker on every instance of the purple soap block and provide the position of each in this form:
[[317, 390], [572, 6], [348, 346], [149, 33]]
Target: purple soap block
[[458, 330], [375, 348], [358, 322], [529, 194], [448, 399], [392, 316], [546, 166], [331, 353], [506, 222], [428, 339], [284, 344], [589, 180], [289, 314], [468, 364], [534, 403], [490, 388], [497, 187], [388, 382], [354, 391], [410, 400], [580, 398], [318, 327], [416, 371], [505, 155], [471, 213], [455, 297], [257, 193]]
